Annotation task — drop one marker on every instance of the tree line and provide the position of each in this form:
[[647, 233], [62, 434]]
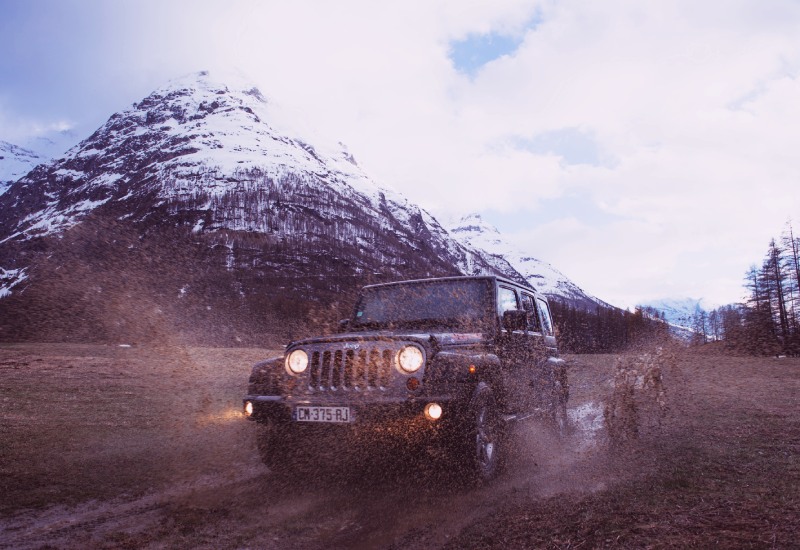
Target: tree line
[[768, 321], [606, 329]]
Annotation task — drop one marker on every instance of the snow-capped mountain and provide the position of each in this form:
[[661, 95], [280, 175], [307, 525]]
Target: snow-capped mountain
[[208, 202], [232, 167], [475, 233], [15, 162]]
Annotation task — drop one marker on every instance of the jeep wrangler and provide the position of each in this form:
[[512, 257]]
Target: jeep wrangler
[[452, 360]]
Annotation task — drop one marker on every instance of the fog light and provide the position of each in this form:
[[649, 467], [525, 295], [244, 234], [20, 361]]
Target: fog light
[[248, 408], [433, 411]]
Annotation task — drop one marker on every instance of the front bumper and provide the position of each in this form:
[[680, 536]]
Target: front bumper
[[372, 414]]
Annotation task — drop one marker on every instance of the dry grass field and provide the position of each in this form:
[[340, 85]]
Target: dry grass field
[[145, 447]]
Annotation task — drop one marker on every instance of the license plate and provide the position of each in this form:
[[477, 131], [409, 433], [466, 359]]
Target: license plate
[[322, 414]]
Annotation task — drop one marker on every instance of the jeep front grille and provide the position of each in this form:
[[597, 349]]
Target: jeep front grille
[[350, 369]]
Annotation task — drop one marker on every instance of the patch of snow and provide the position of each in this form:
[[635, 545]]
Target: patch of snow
[[9, 278], [52, 220], [86, 205], [64, 173]]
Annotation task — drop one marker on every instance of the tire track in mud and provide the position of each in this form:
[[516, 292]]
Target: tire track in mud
[[64, 525]]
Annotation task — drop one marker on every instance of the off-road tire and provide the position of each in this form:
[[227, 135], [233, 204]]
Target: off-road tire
[[558, 417], [484, 443], [557, 407]]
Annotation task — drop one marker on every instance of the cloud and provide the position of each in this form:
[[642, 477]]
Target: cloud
[[572, 145]]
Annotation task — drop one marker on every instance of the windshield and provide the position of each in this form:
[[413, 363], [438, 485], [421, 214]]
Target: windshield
[[462, 304]]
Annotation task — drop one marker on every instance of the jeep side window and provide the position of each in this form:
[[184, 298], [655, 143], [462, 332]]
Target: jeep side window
[[529, 305], [547, 321], [506, 300]]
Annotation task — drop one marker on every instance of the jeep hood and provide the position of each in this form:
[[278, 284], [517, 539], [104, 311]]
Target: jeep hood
[[423, 337]]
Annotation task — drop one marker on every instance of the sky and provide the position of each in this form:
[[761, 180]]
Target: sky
[[646, 149]]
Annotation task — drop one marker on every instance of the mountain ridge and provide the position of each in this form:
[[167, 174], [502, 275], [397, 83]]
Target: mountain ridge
[[474, 232], [220, 169]]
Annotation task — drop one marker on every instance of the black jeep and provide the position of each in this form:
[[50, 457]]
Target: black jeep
[[450, 360]]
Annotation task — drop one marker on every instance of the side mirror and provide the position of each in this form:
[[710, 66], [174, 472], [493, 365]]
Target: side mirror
[[515, 319]]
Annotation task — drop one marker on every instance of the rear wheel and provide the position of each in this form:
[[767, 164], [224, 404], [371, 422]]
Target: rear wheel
[[559, 419]]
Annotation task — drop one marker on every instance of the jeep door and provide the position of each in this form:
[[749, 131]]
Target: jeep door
[[514, 350], [537, 350]]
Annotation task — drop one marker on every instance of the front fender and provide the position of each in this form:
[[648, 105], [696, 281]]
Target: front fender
[[267, 377], [459, 373]]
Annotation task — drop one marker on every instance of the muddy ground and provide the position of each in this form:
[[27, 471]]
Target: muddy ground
[[130, 447]]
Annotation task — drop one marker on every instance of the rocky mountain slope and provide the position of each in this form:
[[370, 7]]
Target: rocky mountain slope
[[208, 193]]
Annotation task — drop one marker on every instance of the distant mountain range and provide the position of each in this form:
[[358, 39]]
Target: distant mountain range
[[680, 312], [212, 169]]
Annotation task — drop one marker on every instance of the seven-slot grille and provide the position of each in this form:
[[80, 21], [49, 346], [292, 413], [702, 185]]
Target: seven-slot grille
[[369, 366]]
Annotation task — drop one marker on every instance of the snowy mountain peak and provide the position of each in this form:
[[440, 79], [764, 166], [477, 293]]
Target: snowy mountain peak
[[199, 137], [473, 226], [231, 80], [473, 222], [15, 162]]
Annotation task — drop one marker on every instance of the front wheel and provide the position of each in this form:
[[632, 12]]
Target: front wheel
[[484, 435], [278, 450]]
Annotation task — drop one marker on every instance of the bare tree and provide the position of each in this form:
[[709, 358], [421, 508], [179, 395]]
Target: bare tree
[[775, 280], [791, 246]]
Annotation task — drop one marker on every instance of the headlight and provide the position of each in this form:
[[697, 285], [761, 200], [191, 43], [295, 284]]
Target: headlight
[[410, 359], [297, 361]]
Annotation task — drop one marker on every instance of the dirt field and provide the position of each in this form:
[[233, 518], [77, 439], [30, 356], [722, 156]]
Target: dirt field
[[129, 447]]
